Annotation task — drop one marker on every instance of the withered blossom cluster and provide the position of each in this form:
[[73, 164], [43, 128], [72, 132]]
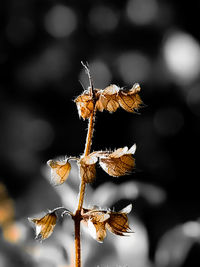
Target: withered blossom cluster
[[98, 221], [115, 163], [110, 99]]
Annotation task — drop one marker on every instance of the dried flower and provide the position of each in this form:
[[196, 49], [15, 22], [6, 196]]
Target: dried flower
[[112, 97], [59, 171], [130, 100], [118, 221], [44, 226], [99, 220], [118, 163], [87, 168], [108, 98], [85, 105]]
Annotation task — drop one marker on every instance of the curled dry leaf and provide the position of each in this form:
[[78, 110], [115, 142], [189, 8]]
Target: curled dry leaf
[[112, 97], [130, 100], [118, 163], [44, 226], [88, 168], [107, 98], [59, 171], [98, 221], [85, 105]]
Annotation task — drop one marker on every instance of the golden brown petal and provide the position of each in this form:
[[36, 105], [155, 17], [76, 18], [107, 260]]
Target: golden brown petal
[[59, 171], [108, 99], [88, 168], [96, 220], [100, 220], [44, 226], [97, 230], [118, 163], [118, 221], [95, 215], [84, 105], [130, 100]]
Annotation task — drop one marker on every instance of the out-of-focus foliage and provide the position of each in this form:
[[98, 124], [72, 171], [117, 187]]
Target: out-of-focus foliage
[[155, 43]]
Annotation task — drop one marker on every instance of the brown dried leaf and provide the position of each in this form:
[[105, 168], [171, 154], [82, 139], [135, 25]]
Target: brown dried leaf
[[107, 98], [130, 100], [85, 105], [88, 168], [118, 163], [59, 171], [44, 226]]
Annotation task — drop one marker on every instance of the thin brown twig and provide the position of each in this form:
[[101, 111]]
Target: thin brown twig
[[89, 77], [77, 216]]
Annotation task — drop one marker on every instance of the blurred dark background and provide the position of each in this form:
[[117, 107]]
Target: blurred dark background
[[155, 43]]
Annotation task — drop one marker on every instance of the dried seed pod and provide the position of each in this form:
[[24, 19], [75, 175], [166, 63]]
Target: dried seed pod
[[95, 214], [44, 226], [118, 163], [107, 98], [100, 220], [95, 220], [59, 171], [97, 230], [85, 105], [87, 167], [130, 100], [118, 223]]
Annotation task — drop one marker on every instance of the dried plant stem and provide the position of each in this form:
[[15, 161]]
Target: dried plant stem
[[82, 193], [77, 243], [89, 134]]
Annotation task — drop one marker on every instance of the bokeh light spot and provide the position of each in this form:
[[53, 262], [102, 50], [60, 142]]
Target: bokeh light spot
[[103, 18], [142, 12], [49, 66], [133, 67], [168, 121], [100, 72], [182, 56], [60, 21], [192, 229]]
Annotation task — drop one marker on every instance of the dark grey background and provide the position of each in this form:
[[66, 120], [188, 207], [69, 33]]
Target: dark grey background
[[154, 43]]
